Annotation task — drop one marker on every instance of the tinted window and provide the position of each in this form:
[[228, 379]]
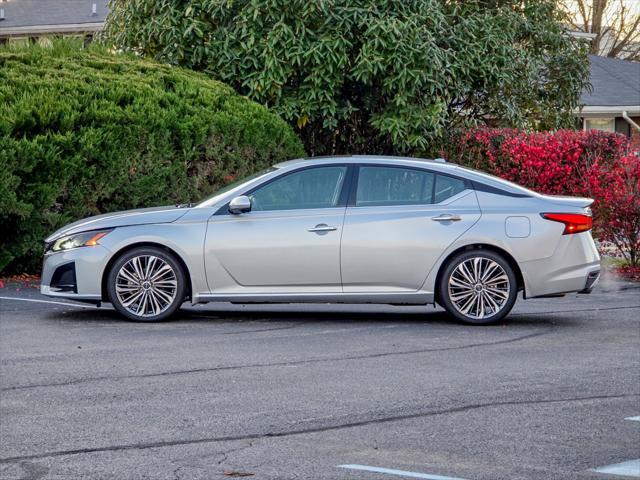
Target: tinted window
[[393, 186], [310, 188], [447, 187]]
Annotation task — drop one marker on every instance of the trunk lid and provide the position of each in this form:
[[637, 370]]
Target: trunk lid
[[576, 202]]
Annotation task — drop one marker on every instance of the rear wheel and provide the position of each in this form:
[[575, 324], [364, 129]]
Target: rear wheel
[[478, 287], [146, 284]]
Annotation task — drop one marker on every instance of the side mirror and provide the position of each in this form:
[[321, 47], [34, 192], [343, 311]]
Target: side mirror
[[240, 204]]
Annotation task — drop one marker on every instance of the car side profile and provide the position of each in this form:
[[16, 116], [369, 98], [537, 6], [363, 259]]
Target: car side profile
[[352, 229]]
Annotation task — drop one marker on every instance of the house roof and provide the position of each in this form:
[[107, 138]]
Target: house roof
[[44, 16], [615, 83]]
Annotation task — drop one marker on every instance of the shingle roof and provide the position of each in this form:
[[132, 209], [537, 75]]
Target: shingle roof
[[27, 13], [614, 82]]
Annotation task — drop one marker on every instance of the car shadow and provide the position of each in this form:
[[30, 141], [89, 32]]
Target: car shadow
[[429, 316]]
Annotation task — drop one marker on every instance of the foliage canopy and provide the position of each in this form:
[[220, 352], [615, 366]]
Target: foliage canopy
[[84, 132], [383, 76]]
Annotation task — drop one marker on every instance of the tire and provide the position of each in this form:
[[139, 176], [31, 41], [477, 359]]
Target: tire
[[146, 284], [472, 299]]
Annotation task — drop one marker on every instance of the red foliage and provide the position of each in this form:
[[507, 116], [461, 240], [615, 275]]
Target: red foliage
[[629, 272], [593, 164]]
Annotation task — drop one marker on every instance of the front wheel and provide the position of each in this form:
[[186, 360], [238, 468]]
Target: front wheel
[[146, 284], [478, 287]]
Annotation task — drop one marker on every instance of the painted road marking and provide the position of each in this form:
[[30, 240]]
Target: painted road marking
[[401, 473], [625, 469], [634, 419], [48, 301]]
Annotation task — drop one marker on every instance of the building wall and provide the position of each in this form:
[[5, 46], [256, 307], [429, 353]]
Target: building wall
[[635, 134]]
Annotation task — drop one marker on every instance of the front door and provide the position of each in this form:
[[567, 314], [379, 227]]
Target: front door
[[397, 225], [288, 243]]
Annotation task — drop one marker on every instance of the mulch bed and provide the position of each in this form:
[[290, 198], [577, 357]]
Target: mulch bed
[[21, 281]]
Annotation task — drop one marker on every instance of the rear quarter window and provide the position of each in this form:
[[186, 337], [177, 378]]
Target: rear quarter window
[[447, 187]]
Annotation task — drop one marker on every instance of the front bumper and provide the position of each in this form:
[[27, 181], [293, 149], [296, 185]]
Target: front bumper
[[75, 274]]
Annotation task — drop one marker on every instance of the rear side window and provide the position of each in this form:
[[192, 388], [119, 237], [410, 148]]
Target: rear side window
[[393, 186], [447, 187]]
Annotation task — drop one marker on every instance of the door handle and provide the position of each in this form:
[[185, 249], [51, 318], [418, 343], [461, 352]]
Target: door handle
[[446, 217], [322, 228]]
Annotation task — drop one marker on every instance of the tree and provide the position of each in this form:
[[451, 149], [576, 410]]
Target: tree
[[84, 132], [383, 76], [615, 24]]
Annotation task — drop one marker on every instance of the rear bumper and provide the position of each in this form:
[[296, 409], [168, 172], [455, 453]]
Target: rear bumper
[[573, 267], [592, 280]]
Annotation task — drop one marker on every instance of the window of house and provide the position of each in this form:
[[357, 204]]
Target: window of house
[[604, 124]]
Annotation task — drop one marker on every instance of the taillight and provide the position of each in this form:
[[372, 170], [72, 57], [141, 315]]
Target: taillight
[[573, 222]]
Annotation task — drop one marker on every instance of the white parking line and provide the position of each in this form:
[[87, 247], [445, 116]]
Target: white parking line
[[633, 419], [48, 301], [401, 473], [625, 469]]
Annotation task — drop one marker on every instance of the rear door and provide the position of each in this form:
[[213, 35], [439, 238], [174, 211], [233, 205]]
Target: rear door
[[398, 222]]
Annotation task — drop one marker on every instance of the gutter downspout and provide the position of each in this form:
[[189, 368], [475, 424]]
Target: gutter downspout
[[629, 121]]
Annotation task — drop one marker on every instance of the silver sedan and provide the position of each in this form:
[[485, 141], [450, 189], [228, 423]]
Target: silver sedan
[[355, 229]]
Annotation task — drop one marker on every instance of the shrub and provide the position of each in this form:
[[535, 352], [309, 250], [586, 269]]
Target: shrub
[[363, 76], [592, 164], [619, 209], [84, 132]]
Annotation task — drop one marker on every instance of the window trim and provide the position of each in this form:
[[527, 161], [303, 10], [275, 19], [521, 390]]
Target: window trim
[[342, 198], [356, 178]]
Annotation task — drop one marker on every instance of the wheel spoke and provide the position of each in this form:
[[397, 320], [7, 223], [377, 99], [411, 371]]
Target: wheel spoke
[[461, 295], [132, 298], [464, 271], [155, 305], [165, 269], [150, 263], [497, 293], [131, 277], [494, 306], [456, 282]]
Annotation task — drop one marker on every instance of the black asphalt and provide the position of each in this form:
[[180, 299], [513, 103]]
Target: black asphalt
[[282, 393]]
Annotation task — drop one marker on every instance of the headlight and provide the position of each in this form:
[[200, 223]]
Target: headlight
[[84, 239]]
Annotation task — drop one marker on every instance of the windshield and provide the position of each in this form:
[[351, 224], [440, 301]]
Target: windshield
[[233, 185]]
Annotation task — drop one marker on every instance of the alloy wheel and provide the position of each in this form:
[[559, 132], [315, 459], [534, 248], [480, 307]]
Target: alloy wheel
[[479, 288], [146, 285]]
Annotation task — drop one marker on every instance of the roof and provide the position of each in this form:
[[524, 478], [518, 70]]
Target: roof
[[614, 82], [364, 159], [48, 16]]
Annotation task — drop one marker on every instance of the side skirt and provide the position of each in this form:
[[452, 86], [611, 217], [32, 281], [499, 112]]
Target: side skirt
[[394, 298]]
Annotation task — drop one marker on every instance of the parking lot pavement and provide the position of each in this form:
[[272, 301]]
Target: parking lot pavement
[[318, 392]]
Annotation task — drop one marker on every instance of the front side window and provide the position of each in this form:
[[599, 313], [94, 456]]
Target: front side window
[[393, 186], [310, 188]]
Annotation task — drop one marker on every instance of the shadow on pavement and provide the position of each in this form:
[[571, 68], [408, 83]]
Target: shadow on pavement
[[427, 318]]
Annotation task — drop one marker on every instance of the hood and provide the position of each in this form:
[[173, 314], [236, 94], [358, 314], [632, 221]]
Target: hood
[[140, 216]]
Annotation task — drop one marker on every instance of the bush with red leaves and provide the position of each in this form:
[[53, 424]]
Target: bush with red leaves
[[592, 164]]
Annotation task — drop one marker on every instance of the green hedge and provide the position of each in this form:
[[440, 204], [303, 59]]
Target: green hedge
[[84, 131]]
